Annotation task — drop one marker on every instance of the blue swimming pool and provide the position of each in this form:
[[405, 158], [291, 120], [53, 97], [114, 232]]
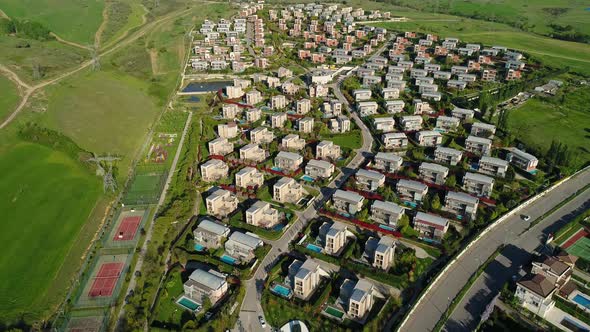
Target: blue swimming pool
[[275, 168], [228, 259], [410, 204], [199, 247], [281, 290], [278, 228], [188, 303], [307, 178], [313, 247], [387, 228], [582, 300]]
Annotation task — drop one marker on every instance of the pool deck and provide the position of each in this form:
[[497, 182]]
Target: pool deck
[[556, 315]]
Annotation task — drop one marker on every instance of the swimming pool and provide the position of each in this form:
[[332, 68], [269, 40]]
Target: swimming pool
[[281, 290], [199, 247], [334, 312], [313, 247], [582, 300], [275, 168], [307, 178], [387, 228], [188, 303], [228, 259]]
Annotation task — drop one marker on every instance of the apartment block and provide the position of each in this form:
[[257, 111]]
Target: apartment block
[[253, 97], [478, 145], [477, 184], [210, 234], [288, 161], [220, 146], [394, 106], [359, 298], [228, 130], [303, 106], [380, 252], [522, 160], [410, 190], [287, 190], [334, 237], [395, 140], [447, 123], [447, 155], [230, 111], [367, 108], [305, 125], [385, 125], [429, 138], [387, 161], [461, 204], [278, 102], [221, 203], [252, 152], [431, 226], [261, 214], [305, 277], [327, 150], [293, 142], [241, 246], [261, 135], [411, 122], [253, 115], [278, 120], [481, 129], [433, 173], [493, 166], [386, 212], [319, 169], [214, 170], [249, 177], [347, 201], [205, 285], [463, 113]]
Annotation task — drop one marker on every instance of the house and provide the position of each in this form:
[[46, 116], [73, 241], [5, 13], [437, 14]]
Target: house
[[435, 96], [442, 75], [241, 246], [303, 106], [362, 94], [380, 252], [385, 125], [366, 108], [390, 93], [394, 106], [220, 146], [369, 180], [261, 135], [278, 120], [319, 169], [371, 80], [289, 88], [287, 190], [461, 204], [411, 122], [522, 160], [252, 152], [249, 177], [535, 293], [447, 123], [283, 72], [359, 298], [429, 138], [221, 203], [433, 173], [427, 88], [430, 226], [462, 113], [478, 145], [288, 160], [387, 161], [253, 97], [410, 190], [205, 285], [253, 115], [467, 77], [455, 70], [395, 140], [456, 84], [293, 142], [214, 170], [230, 111], [305, 277], [488, 75], [278, 102], [228, 130], [447, 155], [210, 234], [334, 236], [339, 125], [492, 166], [327, 150], [305, 125], [421, 107], [261, 214], [234, 92], [386, 212], [347, 201], [481, 129], [554, 270], [477, 184]]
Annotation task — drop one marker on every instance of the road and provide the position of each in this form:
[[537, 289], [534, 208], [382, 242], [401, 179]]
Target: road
[[435, 301]]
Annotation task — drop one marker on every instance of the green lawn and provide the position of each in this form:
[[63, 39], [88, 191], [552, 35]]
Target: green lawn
[[9, 98], [45, 199], [122, 16], [167, 309], [350, 140], [539, 122], [76, 21]]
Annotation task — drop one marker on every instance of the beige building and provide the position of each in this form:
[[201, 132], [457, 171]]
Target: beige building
[[253, 97], [305, 125], [287, 190], [228, 130], [261, 214], [278, 120], [249, 177], [221, 203], [395, 140], [327, 150], [230, 111], [477, 184], [288, 160], [387, 161], [210, 234], [319, 169], [411, 190], [478, 145], [202, 285], [386, 212], [360, 297], [261, 135], [380, 252], [347, 201], [293, 142], [493, 166], [429, 138], [214, 170], [334, 236], [278, 102], [433, 173], [253, 115], [447, 155], [369, 180], [303, 106], [305, 277], [431, 226], [461, 204], [252, 152], [220, 146]]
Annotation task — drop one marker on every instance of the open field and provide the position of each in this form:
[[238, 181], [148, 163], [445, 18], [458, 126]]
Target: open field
[[121, 17], [539, 122], [75, 21], [9, 98], [552, 52], [37, 232]]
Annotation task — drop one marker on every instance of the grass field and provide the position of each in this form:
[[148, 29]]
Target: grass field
[[37, 231], [121, 16], [75, 21], [552, 52], [539, 122], [9, 97]]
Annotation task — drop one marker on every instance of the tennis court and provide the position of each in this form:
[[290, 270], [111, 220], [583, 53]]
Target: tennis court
[[127, 228], [106, 279], [580, 248]]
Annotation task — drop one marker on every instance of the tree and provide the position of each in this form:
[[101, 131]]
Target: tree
[[435, 204], [451, 181], [510, 174]]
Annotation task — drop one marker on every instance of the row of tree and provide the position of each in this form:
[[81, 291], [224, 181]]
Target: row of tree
[[25, 28]]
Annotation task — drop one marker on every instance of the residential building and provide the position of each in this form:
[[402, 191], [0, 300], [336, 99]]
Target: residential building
[[447, 155], [478, 145], [411, 122], [430, 226], [362, 95], [249, 177], [390, 93], [293, 142], [447, 123], [380, 252], [303, 106], [385, 125], [463, 114], [230, 111], [220, 146], [461, 204], [278, 102], [481, 129], [287, 190], [261, 214], [253, 97], [477, 184], [214, 170], [288, 160], [234, 92], [221, 203], [210, 234], [319, 169], [347, 201], [429, 138], [433, 173], [202, 285], [228, 130], [340, 124], [253, 115], [367, 108], [305, 125], [395, 140], [305, 277], [522, 160], [359, 297], [410, 190], [387, 161], [493, 166], [535, 293], [327, 150], [334, 237], [252, 152], [241, 246], [552, 268], [261, 135], [386, 212], [394, 106], [369, 180], [278, 120]]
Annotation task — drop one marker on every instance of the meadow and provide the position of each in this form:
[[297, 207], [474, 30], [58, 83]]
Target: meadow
[[122, 16], [75, 21], [45, 201], [9, 98]]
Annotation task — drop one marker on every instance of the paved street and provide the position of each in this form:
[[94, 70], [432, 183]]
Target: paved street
[[436, 301]]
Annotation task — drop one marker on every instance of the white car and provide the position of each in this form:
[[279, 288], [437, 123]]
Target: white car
[[525, 217], [262, 322]]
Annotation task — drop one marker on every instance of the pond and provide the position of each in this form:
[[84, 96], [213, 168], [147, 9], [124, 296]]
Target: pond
[[206, 86]]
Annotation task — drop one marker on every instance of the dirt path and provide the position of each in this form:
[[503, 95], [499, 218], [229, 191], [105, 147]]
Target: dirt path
[[71, 43], [154, 61], [126, 33], [14, 77], [103, 25], [3, 14]]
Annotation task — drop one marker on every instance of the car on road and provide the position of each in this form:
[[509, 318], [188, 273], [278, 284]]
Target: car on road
[[525, 217], [262, 322]]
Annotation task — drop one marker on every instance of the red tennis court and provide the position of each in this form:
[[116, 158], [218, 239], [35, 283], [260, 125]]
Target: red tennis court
[[127, 228], [106, 279]]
